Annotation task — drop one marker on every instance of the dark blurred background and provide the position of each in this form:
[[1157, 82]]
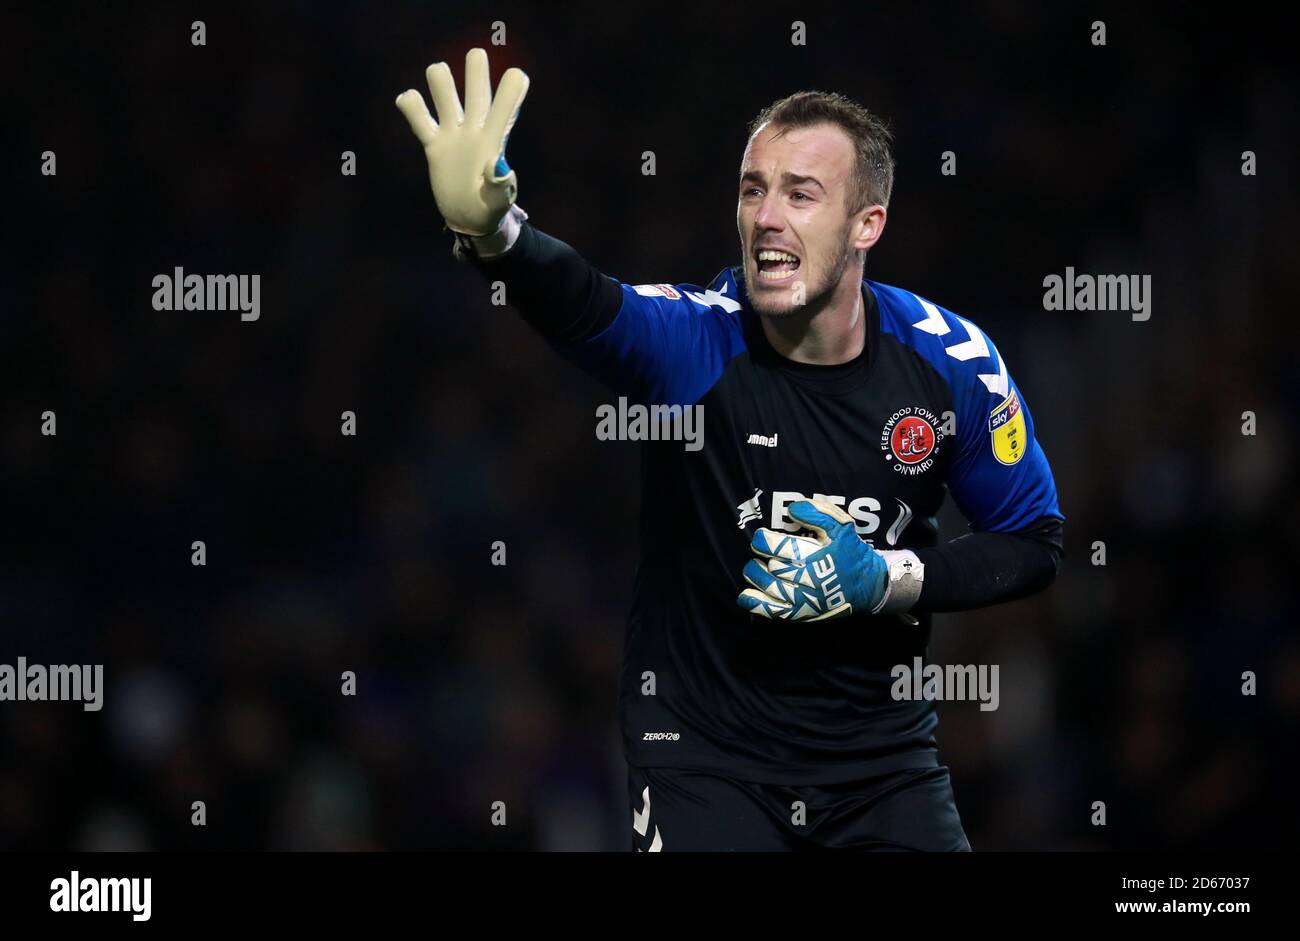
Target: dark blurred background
[[372, 553]]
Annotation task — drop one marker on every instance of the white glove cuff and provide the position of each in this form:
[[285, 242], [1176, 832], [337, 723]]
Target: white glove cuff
[[485, 247], [903, 587]]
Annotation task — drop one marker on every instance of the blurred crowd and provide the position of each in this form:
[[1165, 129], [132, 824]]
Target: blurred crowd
[[479, 683]]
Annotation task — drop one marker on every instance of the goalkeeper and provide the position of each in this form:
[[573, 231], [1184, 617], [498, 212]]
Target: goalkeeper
[[793, 562]]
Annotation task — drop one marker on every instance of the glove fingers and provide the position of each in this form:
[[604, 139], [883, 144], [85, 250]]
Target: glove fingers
[[774, 545], [761, 605], [411, 104], [505, 107], [796, 573], [831, 614], [760, 578], [442, 89], [821, 517], [478, 87]]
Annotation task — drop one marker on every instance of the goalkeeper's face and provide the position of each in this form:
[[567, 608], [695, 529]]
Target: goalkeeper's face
[[797, 237]]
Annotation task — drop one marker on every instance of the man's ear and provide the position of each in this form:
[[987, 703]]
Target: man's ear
[[869, 227]]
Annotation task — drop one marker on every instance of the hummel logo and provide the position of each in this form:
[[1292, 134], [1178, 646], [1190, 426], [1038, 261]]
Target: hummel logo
[[762, 440]]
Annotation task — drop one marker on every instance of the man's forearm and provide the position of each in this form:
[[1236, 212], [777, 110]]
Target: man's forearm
[[552, 286], [981, 569]]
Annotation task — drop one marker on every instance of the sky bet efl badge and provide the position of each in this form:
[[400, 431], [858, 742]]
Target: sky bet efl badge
[[1007, 426], [910, 439]]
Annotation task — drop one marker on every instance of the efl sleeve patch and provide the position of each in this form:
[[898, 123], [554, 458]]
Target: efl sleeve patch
[[1007, 428], [657, 290]]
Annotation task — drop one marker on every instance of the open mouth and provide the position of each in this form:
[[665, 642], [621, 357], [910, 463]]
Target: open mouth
[[775, 266]]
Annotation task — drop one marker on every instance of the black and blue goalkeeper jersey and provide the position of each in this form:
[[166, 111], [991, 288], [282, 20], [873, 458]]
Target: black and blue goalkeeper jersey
[[928, 408]]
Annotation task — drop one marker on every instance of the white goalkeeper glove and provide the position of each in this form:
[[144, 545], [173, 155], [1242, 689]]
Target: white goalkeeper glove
[[474, 187]]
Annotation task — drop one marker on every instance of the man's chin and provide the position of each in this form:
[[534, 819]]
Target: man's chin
[[782, 301], [773, 306], [770, 300]]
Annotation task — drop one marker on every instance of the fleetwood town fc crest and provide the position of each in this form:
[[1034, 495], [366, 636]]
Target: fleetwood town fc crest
[[911, 438]]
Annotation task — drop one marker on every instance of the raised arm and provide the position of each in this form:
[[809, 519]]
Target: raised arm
[[658, 346]]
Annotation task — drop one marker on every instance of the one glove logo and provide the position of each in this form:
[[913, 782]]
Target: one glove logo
[[824, 577], [910, 439]]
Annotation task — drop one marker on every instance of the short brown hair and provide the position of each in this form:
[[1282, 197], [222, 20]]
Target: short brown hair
[[873, 175]]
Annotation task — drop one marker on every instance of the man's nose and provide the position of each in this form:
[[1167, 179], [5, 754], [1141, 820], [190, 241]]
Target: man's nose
[[769, 214]]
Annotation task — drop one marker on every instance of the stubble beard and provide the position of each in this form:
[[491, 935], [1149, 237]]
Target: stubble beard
[[816, 296]]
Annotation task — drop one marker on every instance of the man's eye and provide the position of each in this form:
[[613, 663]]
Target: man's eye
[[799, 194], [751, 191]]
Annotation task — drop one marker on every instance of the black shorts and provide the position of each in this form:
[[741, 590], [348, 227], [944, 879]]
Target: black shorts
[[680, 810]]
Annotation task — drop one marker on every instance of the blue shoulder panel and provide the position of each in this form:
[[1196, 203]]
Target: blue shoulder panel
[[668, 344], [1000, 477]]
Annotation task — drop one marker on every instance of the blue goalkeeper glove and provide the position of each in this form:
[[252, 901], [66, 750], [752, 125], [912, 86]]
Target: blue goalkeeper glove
[[799, 578]]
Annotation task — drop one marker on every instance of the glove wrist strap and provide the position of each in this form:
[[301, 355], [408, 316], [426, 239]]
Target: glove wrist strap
[[903, 587], [485, 247]]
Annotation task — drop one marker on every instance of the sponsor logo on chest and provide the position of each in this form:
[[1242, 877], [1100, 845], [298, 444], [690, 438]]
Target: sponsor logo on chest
[[865, 511]]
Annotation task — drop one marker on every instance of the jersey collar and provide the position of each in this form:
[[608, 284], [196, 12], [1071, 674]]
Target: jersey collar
[[845, 377]]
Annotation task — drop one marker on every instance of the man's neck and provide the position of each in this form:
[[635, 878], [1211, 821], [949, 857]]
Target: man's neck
[[832, 333]]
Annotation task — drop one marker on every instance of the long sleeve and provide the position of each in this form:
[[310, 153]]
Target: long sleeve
[[985, 568], [657, 344], [553, 287]]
